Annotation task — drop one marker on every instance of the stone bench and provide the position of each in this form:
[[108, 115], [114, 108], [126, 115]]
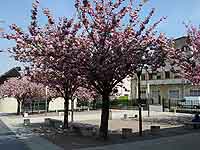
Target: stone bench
[[155, 129], [133, 117], [85, 129], [53, 123], [126, 117], [126, 132], [47, 121]]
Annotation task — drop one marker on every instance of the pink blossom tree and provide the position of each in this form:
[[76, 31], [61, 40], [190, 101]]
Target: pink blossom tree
[[186, 60], [22, 89], [85, 94], [51, 52], [119, 42], [82, 94]]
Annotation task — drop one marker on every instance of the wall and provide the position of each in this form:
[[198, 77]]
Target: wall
[[8, 105], [58, 104]]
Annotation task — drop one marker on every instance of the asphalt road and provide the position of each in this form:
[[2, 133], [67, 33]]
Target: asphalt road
[[8, 140]]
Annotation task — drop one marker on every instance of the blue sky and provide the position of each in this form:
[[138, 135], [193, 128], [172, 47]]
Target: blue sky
[[18, 11]]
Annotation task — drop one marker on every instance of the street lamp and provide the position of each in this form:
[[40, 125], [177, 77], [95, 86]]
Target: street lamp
[[46, 93], [139, 73]]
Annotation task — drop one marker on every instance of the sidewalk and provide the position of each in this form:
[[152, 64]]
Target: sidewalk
[[33, 142], [183, 142]]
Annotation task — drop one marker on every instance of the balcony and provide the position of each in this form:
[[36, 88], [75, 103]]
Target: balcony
[[164, 82]]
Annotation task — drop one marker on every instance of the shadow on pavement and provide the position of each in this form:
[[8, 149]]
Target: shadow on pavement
[[72, 140]]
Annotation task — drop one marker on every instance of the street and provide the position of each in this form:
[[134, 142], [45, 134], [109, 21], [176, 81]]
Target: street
[[8, 140]]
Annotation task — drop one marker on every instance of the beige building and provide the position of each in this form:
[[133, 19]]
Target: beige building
[[124, 88], [58, 104], [9, 105], [163, 84]]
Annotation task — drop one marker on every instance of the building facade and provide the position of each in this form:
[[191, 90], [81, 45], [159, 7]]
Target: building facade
[[9, 105], [164, 85], [124, 88]]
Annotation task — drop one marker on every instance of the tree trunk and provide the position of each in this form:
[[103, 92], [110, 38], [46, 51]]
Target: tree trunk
[[72, 110], [48, 106], [94, 104], [18, 107], [104, 116], [66, 111], [139, 103], [32, 106]]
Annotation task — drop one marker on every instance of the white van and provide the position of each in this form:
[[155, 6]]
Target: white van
[[190, 102]]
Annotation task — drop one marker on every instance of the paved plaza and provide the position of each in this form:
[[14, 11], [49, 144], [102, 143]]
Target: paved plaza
[[12, 131], [8, 140]]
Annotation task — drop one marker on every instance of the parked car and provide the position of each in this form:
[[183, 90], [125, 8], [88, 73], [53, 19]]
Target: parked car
[[190, 102]]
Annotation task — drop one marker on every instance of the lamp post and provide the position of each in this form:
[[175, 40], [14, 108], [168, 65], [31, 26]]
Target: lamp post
[[139, 72], [46, 92]]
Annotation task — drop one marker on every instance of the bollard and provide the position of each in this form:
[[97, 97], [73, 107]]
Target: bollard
[[125, 116], [155, 129], [175, 110], [25, 115]]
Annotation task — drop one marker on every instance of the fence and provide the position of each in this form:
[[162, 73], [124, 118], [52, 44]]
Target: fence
[[34, 106]]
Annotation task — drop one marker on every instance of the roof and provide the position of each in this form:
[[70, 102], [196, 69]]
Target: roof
[[180, 42], [14, 72]]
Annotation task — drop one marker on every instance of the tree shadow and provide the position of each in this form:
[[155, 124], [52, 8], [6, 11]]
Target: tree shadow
[[72, 140]]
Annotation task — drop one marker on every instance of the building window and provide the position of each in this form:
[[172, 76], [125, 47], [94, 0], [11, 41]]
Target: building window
[[167, 75], [150, 76], [143, 77], [195, 92], [155, 94], [174, 94], [143, 93]]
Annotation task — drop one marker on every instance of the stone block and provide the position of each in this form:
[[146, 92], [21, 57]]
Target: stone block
[[25, 115], [125, 116], [126, 132], [155, 129], [27, 122], [47, 121]]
